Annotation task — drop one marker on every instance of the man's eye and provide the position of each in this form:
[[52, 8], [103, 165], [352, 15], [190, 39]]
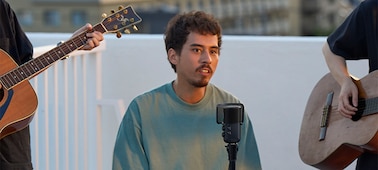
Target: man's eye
[[197, 50], [214, 51]]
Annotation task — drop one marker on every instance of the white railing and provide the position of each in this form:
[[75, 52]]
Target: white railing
[[67, 132]]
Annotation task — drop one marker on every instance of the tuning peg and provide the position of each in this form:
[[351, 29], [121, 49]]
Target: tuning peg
[[112, 11], [104, 15], [125, 11], [127, 31], [119, 35], [135, 28], [120, 7]]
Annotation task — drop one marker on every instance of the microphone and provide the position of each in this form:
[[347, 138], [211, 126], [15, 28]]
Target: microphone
[[231, 116]]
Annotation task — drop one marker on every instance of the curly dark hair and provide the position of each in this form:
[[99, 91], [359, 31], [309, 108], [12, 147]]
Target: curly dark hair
[[180, 26]]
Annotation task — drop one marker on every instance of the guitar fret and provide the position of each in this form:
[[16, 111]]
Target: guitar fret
[[38, 64], [9, 79], [2, 82], [61, 52], [10, 76], [34, 67], [99, 28], [46, 61], [51, 57], [68, 47], [13, 77], [5, 81], [29, 67], [24, 67], [22, 72], [43, 61], [17, 75], [371, 106], [72, 44], [81, 39]]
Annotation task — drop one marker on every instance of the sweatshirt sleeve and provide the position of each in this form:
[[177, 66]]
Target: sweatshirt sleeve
[[128, 150]]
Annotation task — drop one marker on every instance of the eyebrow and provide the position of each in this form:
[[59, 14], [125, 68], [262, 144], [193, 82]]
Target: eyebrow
[[199, 45]]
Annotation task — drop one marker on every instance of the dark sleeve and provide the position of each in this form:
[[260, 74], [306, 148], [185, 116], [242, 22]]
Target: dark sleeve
[[349, 39], [13, 39]]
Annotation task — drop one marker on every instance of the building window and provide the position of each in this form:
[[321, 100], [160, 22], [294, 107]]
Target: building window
[[78, 18], [25, 17], [52, 18]]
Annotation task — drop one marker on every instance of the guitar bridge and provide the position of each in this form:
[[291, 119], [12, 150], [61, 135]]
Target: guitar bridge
[[324, 120]]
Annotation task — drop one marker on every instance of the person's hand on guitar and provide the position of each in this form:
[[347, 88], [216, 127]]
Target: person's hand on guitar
[[348, 98], [94, 37]]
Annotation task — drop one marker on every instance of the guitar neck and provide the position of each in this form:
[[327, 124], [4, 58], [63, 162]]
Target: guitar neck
[[123, 18], [33, 67], [368, 106]]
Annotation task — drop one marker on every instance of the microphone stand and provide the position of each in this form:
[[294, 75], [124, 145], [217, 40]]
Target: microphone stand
[[232, 149], [231, 116]]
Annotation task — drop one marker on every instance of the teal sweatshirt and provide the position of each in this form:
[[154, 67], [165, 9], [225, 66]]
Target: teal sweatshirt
[[159, 131]]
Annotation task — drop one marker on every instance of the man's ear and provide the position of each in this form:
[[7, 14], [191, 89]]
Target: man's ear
[[172, 56]]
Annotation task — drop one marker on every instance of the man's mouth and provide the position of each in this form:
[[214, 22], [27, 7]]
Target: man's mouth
[[205, 71]]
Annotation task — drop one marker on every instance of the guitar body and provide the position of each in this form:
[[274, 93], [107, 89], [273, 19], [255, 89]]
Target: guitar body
[[345, 139], [17, 105]]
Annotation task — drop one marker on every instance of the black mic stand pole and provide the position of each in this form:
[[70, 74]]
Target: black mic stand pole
[[232, 149]]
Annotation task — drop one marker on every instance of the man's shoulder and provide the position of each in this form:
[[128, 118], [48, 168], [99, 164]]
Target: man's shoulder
[[157, 90], [370, 3], [4, 7], [218, 91]]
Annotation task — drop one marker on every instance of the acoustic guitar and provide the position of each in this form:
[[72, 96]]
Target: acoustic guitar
[[18, 101], [330, 141]]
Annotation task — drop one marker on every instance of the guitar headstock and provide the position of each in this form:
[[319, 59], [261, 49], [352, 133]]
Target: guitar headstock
[[121, 20]]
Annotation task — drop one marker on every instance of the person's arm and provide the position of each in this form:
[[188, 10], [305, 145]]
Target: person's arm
[[338, 68]]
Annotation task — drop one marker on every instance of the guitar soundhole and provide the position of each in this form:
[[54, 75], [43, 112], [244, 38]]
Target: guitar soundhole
[[361, 107], [1, 94]]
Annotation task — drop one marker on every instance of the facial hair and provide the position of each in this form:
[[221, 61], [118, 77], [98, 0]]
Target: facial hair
[[202, 82]]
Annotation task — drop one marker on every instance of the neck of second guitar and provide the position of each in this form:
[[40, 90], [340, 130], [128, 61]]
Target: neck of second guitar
[[35, 66]]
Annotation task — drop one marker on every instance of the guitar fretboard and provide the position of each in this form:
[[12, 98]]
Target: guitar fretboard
[[37, 65], [369, 106]]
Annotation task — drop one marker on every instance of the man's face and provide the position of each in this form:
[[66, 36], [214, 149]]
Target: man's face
[[198, 59]]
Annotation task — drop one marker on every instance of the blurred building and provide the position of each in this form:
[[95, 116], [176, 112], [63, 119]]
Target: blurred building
[[321, 17], [239, 17], [253, 17], [60, 15]]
